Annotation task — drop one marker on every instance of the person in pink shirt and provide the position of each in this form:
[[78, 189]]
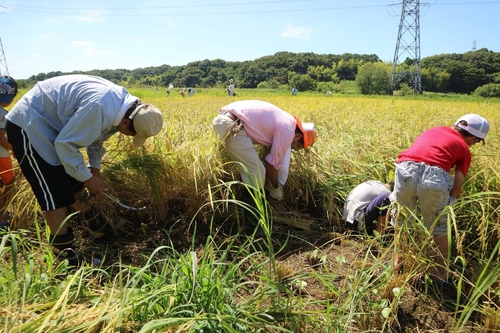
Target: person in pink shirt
[[423, 179], [241, 125]]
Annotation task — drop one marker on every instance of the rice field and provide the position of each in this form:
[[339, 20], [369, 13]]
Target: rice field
[[181, 266]]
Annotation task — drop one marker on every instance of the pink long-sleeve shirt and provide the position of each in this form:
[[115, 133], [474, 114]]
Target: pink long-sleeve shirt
[[267, 125]]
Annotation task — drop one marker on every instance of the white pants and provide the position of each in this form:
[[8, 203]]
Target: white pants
[[242, 150]]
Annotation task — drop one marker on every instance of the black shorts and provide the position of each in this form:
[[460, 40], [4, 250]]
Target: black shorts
[[52, 186]]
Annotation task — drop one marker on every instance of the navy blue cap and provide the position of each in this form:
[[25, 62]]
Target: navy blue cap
[[8, 89]]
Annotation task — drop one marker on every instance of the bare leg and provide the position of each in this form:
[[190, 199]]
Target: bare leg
[[397, 263], [381, 224], [397, 260], [442, 244], [79, 205], [55, 218], [5, 196], [62, 238]]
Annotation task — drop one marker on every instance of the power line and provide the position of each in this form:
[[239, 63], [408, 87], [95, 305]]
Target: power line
[[468, 3], [166, 7], [80, 11]]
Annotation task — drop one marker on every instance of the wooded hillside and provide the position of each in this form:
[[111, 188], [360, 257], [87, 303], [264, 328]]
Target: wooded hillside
[[447, 73]]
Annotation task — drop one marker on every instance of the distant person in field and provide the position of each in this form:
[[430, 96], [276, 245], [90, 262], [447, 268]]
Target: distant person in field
[[365, 208], [422, 177], [183, 92], [242, 124], [48, 126], [294, 91], [8, 91], [230, 88]]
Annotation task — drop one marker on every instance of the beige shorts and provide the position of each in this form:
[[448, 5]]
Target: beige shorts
[[426, 187]]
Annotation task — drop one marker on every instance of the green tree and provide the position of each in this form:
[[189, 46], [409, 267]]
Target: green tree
[[41, 77], [488, 90], [192, 76], [253, 76], [373, 78], [434, 79], [303, 82], [346, 69], [467, 71], [263, 85]]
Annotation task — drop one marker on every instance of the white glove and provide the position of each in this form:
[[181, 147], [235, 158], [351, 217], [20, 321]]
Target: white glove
[[276, 193]]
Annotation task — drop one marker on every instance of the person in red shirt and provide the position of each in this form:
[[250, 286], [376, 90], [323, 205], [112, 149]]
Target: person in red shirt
[[423, 180]]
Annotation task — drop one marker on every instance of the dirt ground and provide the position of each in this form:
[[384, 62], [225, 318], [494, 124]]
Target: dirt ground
[[421, 309]]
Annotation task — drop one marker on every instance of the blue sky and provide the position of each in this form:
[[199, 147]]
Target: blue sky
[[40, 36]]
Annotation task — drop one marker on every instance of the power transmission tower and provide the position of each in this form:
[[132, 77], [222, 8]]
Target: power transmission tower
[[3, 62], [408, 48]]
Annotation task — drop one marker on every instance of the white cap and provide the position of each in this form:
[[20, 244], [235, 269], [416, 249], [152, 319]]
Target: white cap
[[148, 121], [476, 125]]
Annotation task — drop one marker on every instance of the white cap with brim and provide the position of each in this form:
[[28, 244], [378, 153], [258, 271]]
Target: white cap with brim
[[476, 125], [148, 121]]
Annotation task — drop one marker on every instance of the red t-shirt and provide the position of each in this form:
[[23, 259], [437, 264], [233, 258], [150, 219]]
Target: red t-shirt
[[440, 146]]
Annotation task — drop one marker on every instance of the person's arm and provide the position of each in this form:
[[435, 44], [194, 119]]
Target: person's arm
[[96, 150], [3, 140], [79, 132], [271, 174], [95, 184], [457, 186], [278, 157]]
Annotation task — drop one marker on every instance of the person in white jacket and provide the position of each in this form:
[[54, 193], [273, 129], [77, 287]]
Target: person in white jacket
[[365, 208], [48, 126]]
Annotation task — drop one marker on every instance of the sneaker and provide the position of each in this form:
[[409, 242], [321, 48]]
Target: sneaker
[[63, 246], [75, 259], [4, 225]]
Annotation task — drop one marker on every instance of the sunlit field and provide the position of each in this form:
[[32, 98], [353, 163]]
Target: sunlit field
[[182, 266]]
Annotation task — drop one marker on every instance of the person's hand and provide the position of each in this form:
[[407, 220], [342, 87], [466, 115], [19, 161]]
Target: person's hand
[[95, 172], [95, 185], [276, 193]]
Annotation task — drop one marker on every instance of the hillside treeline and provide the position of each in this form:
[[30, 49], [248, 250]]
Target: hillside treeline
[[470, 72]]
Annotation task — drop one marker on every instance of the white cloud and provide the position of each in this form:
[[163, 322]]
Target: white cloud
[[88, 46], [90, 18], [52, 36], [292, 31], [81, 43]]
